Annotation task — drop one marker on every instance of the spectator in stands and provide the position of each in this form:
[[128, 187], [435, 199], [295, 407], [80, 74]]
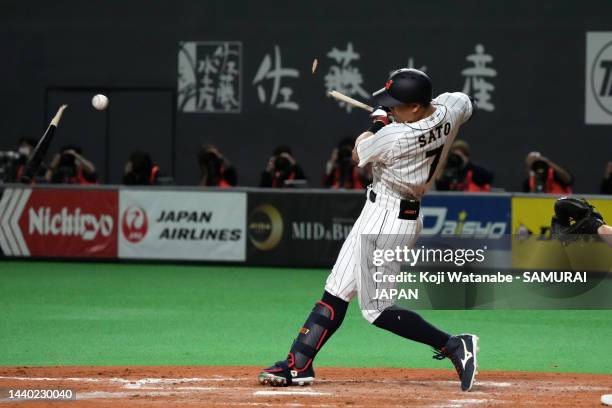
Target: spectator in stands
[[606, 183], [461, 174], [215, 169], [341, 171], [546, 176], [282, 170], [70, 167], [26, 146], [140, 170]]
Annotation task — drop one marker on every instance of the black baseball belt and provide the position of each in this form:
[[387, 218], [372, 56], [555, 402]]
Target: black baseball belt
[[409, 208]]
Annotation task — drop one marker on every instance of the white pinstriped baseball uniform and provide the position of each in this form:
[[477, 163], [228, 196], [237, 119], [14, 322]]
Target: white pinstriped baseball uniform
[[405, 158]]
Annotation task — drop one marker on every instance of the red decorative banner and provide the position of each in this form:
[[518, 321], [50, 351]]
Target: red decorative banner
[[59, 223]]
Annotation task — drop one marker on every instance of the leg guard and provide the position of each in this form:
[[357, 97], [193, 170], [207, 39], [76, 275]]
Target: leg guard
[[324, 319]]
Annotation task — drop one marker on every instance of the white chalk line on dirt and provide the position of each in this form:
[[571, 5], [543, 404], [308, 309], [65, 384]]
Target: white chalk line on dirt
[[136, 383], [275, 393], [494, 384], [198, 388], [459, 403], [127, 380], [469, 401], [78, 379], [165, 387], [179, 380], [571, 388], [272, 404], [420, 382], [119, 394]]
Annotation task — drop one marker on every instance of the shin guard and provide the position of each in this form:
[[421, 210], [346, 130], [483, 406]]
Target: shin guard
[[324, 319]]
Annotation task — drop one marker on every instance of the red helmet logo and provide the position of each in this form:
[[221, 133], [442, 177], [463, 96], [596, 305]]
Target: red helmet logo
[[388, 84], [134, 224]]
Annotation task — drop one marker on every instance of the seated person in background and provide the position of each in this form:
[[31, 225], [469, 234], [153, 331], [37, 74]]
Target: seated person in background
[[12, 163], [215, 170], [606, 183], [24, 148], [461, 174], [70, 167], [341, 171], [545, 176], [282, 170], [140, 170]]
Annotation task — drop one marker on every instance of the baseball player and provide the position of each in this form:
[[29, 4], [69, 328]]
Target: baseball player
[[575, 216], [405, 154]]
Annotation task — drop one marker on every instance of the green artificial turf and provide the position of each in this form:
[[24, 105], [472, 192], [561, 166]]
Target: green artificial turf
[[54, 313]]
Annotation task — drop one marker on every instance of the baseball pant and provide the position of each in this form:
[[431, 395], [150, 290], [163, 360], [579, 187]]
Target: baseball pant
[[378, 227]]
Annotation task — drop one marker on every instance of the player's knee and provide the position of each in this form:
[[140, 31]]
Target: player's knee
[[370, 315], [345, 295]]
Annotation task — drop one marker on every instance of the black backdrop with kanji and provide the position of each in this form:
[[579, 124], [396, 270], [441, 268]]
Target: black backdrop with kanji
[[131, 50]]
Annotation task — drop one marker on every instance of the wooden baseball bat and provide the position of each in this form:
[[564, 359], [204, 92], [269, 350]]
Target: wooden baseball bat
[[341, 97], [37, 156]]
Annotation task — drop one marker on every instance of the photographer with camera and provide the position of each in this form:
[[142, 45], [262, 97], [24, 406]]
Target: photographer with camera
[[545, 176], [24, 149], [341, 171], [215, 169], [140, 170], [461, 174], [282, 170], [12, 163], [70, 167]]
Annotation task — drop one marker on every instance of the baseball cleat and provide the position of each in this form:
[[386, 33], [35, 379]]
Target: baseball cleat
[[281, 375], [462, 350]]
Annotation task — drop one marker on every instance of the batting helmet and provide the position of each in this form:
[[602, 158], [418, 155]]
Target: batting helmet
[[406, 85]]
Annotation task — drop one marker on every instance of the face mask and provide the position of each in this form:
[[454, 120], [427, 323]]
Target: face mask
[[24, 150]]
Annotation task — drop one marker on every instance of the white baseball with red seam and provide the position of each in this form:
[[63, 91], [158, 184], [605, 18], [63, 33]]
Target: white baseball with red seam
[[100, 102]]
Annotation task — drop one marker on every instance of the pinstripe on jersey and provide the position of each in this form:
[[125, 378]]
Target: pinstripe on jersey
[[400, 153], [403, 157]]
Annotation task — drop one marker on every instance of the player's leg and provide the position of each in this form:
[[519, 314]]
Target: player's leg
[[461, 349], [324, 319], [388, 316]]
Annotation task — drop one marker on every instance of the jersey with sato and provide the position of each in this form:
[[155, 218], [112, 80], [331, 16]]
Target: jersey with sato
[[406, 157]]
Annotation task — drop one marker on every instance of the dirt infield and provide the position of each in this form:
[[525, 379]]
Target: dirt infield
[[350, 387]]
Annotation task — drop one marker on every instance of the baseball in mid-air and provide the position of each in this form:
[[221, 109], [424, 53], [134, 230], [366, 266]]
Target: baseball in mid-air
[[100, 102]]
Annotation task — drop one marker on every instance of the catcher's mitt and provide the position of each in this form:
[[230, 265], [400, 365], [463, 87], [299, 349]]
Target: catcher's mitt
[[574, 216]]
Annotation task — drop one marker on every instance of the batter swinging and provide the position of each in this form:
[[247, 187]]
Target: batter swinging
[[405, 156]]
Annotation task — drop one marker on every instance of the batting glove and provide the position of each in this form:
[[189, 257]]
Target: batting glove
[[380, 114], [380, 118]]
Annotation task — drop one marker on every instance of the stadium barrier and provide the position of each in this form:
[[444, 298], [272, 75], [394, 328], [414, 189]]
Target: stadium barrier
[[303, 228]]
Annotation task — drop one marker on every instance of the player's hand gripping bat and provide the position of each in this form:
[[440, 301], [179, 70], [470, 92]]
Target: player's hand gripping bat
[[37, 156]]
